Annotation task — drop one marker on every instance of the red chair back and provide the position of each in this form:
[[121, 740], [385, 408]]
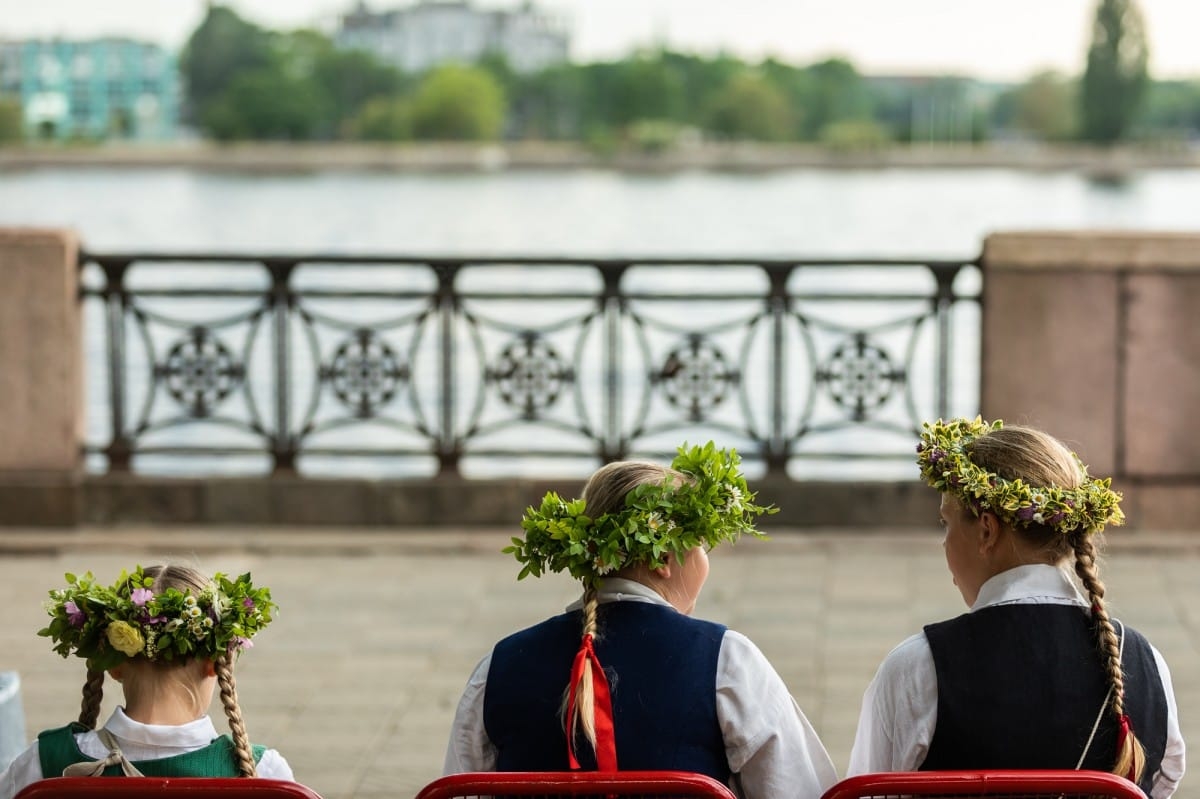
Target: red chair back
[[1024, 784], [181, 787], [625, 784]]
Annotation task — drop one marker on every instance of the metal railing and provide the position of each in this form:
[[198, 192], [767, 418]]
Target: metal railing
[[427, 362]]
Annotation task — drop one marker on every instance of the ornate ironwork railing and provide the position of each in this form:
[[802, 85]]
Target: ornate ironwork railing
[[414, 365]]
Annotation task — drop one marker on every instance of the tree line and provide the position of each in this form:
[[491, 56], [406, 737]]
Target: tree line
[[244, 82]]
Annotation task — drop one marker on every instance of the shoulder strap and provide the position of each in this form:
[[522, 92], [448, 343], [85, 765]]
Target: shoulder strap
[[1107, 699], [96, 768]]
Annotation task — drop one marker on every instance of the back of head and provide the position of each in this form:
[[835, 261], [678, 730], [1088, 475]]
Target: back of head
[[1037, 459], [181, 578], [608, 487], [1023, 453]]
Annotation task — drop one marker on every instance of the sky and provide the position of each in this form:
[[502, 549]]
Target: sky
[[989, 39]]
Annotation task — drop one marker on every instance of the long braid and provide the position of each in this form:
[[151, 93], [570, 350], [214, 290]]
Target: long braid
[[229, 699], [1131, 757], [93, 693], [585, 698]]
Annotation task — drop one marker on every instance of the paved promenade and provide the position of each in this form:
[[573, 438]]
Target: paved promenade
[[357, 680]]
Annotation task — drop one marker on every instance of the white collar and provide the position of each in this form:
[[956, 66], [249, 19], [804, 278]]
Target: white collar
[[198, 733], [622, 589], [1035, 583]]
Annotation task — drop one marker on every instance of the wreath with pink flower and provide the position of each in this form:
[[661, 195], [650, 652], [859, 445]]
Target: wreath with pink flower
[[942, 455], [110, 624]]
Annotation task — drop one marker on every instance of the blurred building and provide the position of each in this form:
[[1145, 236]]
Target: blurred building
[[96, 89], [433, 32]]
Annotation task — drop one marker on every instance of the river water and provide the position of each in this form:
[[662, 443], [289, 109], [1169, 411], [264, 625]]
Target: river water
[[892, 212], [888, 213]]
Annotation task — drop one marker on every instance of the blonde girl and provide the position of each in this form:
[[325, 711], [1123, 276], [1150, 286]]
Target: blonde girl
[[169, 636], [1036, 675], [626, 678]]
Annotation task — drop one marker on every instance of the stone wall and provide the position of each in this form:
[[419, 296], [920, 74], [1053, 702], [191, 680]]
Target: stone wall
[[41, 377], [1094, 337]]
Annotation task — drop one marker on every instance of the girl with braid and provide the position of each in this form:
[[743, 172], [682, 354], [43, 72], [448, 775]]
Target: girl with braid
[[626, 678], [170, 637], [1036, 675]]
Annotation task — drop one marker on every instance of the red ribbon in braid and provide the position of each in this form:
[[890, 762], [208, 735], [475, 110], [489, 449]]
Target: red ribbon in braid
[[606, 741], [1124, 730]]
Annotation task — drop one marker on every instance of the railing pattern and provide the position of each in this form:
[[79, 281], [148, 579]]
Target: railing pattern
[[428, 363]]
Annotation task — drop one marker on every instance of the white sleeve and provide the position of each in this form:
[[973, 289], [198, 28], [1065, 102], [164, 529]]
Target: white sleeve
[[25, 769], [770, 745], [899, 712], [469, 748], [1170, 772], [273, 766]]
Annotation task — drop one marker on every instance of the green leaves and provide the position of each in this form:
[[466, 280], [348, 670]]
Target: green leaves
[[710, 504]]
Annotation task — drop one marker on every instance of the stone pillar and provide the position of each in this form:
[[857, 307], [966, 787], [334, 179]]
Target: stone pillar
[[1093, 337], [41, 377]]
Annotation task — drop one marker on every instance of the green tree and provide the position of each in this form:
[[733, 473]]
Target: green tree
[[1115, 78], [12, 125], [750, 107], [266, 104], [221, 48], [350, 80], [1172, 110], [384, 119], [1046, 107], [458, 103]]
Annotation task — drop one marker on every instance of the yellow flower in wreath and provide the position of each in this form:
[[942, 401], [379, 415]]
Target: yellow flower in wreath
[[125, 638]]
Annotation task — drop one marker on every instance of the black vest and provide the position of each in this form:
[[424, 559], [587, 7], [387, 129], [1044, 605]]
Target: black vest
[[661, 667], [1020, 686]]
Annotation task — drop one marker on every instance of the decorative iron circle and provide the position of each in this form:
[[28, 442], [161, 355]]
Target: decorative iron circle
[[696, 377], [860, 376], [530, 374], [200, 372], [365, 373]]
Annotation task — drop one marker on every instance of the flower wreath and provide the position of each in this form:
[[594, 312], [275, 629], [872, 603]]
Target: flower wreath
[[946, 466], [712, 505], [109, 624]]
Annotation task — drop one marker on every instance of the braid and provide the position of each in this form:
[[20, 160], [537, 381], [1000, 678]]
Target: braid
[[93, 693], [241, 742], [585, 698], [1131, 757]]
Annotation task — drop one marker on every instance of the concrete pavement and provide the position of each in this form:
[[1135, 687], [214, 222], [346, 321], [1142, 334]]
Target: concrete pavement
[[357, 680]]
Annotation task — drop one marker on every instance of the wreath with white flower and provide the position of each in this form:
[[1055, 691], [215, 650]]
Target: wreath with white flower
[[711, 505], [946, 466], [110, 624]]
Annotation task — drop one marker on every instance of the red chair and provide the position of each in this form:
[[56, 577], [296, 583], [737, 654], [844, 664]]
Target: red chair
[[182, 787], [1023, 784], [623, 784]]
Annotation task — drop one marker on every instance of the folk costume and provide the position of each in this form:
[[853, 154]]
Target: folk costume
[[111, 625], [672, 692], [1026, 678]]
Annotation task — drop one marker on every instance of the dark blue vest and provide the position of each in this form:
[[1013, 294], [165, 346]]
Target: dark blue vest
[[1019, 686], [661, 667]]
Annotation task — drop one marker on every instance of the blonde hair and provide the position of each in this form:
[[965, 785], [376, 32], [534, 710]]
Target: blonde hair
[[189, 580], [605, 493], [1041, 460]]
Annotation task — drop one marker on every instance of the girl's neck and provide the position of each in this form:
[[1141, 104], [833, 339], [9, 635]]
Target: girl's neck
[[165, 713]]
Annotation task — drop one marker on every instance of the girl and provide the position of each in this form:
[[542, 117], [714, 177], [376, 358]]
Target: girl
[[1034, 676], [648, 687], [170, 636]]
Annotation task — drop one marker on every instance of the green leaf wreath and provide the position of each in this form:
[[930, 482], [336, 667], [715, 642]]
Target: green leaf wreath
[[713, 504]]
